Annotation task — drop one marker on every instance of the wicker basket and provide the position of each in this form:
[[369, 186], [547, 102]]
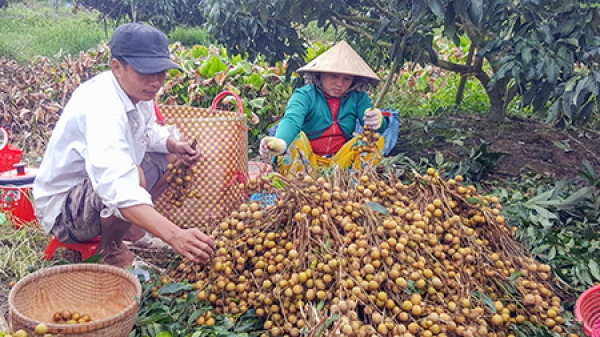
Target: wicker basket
[[108, 294]]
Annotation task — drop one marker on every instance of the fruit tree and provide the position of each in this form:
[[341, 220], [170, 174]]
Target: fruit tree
[[536, 49]]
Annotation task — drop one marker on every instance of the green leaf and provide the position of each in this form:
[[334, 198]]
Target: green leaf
[[526, 55], [276, 182], [257, 103], [585, 83], [239, 69], [377, 207], [583, 274], [255, 80], [542, 212], [328, 323], [587, 172], [552, 70], [436, 7], [212, 66], [93, 259], [551, 254], [594, 269], [577, 197], [198, 51], [439, 158], [571, 41], [474, 200], [151, 319], [515, 276], [563, 145], [164, 334], [247, 322], [553, 112], [174, 288], [264, 14], [485, 299]]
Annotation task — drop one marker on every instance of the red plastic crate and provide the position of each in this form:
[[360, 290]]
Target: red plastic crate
[[587, 308]]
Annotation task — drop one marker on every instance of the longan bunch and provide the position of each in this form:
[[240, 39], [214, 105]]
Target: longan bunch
[[369, 139], [180, 181], [70, 317]]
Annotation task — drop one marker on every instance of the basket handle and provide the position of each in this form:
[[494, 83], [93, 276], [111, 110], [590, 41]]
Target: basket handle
[[4, 139], [222, 94], [159, 116], [228, 93]]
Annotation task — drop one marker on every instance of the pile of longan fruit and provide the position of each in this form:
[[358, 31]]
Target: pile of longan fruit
[[409, 267]]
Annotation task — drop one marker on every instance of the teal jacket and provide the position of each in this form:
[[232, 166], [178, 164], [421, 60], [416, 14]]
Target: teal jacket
[[308, 111]]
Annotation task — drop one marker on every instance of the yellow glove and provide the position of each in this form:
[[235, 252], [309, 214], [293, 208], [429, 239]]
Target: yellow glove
[[373, 118], [272, 146]]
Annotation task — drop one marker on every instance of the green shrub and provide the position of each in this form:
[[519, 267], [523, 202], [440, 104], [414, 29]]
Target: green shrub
[[189, 36], [429, 91], [313, 33]]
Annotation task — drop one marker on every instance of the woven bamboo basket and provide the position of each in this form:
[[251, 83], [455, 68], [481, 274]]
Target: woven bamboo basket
[[108, 294]]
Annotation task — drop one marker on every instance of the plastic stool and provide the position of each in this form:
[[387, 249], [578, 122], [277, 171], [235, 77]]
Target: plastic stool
[[85, 248]]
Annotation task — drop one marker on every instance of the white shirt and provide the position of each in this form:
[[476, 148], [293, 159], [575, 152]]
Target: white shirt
[[102, 136]]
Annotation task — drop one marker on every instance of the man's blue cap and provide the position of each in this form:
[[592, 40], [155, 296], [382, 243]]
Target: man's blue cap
[[143, 47]]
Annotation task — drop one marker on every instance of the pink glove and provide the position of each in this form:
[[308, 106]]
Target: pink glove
[[272, 146], [373, 118]]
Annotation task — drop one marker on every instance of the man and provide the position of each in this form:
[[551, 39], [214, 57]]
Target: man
[[107, 155]]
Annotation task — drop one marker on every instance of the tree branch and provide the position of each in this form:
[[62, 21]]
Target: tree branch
[[463, 79], [483, 78], [388, 81], [360, 19], [467, 70], [472, 33], [361, 32], [380, 7], [509, 96]]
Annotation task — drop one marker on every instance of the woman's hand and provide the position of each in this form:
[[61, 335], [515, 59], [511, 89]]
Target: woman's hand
[[272, 146], [373, 118]]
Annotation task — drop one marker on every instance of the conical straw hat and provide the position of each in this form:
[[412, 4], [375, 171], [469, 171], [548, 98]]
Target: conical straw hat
[[341, 59]]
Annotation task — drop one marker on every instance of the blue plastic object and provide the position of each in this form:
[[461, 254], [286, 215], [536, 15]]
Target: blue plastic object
[[267, 199]]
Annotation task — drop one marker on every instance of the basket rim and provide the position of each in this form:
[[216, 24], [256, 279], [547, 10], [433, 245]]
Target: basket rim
[[91, 326], [578, 304]]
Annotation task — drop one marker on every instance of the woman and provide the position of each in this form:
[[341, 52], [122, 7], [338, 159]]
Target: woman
[[321, 116]]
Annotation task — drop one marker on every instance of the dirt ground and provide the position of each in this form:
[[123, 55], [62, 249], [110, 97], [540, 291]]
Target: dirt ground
[[529, 146]]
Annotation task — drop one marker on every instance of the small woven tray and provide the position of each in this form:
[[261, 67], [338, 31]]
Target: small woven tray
[[108, 294]]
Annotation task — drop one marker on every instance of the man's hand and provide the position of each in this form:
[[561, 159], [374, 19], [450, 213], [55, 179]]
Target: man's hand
[[193, 244], [184, 151], [373, 118], [272, 146]]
